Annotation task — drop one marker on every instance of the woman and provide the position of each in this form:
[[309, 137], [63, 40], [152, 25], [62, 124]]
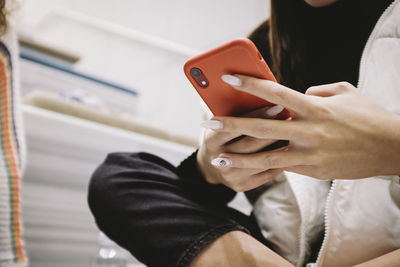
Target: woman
[[336, 132], [12, 147]]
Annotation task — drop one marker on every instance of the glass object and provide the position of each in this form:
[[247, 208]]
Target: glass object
[[111, 255]]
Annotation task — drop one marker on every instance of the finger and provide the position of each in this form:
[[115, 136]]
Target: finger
[[247, 144], [262, 128], [245, 179], [215, 140], [273, 92], [268, 112], [328, 90], [235, 175], [277, 145], [261, 178], [280, 158]]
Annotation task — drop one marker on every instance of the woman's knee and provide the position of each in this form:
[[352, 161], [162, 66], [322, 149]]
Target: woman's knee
[[129, 179]]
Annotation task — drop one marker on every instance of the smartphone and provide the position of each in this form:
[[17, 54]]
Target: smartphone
[[239, 56]]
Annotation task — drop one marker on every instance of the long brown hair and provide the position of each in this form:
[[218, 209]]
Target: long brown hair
[[286, 42], [3, 20]]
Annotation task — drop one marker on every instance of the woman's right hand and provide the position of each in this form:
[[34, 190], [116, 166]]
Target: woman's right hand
[[215, 143]]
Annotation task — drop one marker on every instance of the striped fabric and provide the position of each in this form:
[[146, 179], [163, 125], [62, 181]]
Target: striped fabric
[[11, 244]]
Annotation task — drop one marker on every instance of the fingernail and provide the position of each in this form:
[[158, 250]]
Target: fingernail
[[231, 80], [275, 110], [221, 162], [211, 124]]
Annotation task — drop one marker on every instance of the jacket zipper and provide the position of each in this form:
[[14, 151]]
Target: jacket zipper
[[300, 239], [359, 85], [327, 222]]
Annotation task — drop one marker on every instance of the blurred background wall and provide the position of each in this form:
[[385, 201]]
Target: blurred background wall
[[155, 72], [77, 111]]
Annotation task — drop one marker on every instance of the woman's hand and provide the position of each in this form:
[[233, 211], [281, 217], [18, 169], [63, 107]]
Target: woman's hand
[[215, 143], [335, 132]]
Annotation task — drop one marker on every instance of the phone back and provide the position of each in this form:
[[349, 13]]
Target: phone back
[[239, 56]]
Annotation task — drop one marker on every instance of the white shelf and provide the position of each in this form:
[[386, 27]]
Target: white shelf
[[63, 152]]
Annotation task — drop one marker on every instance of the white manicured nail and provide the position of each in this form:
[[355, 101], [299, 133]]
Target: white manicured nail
[[275, 110], [231, 80], [221, 162], [212, 124]]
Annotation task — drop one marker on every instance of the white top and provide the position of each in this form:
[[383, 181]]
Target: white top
[[360, 219]]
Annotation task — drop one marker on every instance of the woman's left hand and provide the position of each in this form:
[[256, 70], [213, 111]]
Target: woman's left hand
[[335, 132]]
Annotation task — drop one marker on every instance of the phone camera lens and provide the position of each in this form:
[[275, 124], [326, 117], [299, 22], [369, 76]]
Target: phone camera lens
[[195, 72], [199, 77]]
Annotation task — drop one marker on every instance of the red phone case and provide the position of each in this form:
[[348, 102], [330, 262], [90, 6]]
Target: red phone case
[[239, 56]]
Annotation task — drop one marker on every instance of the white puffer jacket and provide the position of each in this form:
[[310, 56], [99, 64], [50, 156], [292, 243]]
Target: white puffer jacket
[[358, 219]]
